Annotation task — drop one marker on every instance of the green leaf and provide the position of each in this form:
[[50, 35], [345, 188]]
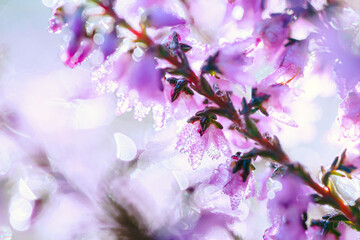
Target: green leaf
[[205, 86], [217, 124], [185, 48], [252, 128], [204, 124]]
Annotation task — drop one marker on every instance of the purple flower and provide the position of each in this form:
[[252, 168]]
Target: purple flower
[[56, 24], [296, 3], [293, 59], [274, 31], [57, 21], [233, 184], [158, 18], [110, 44], [287, 211], [77, 49], [212, 141], [281, 96], [146, 79], [233, 59]]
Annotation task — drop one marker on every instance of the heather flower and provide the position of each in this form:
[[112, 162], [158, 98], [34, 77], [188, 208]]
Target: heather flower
[[296, 3], [57, 21], [318, 233], [122, 73], [149, 3], [294, 58], [349, 115], [280, 96], [274, 31], [77, 49], [254, 5], [110, 44], [232, 61], [158, 18], [287, 211], [233, 184], [146, 79], [212, 141]]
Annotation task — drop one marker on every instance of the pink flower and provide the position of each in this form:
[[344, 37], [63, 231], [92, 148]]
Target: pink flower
[[349, 115], [158, 18], [78, 48], [233, 184], [56, 22], [293, 59], [233, 59], [212, 141], [280, 97], [274, 31]]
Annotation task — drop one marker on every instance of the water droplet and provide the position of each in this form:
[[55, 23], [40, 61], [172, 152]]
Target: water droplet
[[20, 208], [19, 225], [126, 149], [237, 13], [270, 195], [25, 191], [99, 38], [49, 3], [181, 179]]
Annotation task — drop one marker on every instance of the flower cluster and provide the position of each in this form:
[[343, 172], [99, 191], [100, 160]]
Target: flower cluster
[[227, 72]]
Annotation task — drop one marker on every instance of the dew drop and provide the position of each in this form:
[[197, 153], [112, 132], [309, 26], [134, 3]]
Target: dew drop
[[125, 147], [237, 13], [20, 209], [25, 191]]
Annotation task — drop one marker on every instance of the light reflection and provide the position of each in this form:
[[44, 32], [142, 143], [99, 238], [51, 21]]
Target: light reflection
[[25, 191], [20, 208], [5, 233], [125, 147]]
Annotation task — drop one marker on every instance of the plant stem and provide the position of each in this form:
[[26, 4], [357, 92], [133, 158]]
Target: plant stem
[[267, 145], [195, 84]]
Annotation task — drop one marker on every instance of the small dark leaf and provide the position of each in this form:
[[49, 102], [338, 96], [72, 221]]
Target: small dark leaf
[[244, 106], [347, 169], [325, 178], [220, 112], [217, 124], [335, 163], [243, 164], [263, 111], [176, 71], [335, 217], [252, 128], [185, 48], [210, 66], [193, 119], [162, 52], [304, 218], [172, 80], [188, 91], [323, 200], [205, 86], [204, 124]]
